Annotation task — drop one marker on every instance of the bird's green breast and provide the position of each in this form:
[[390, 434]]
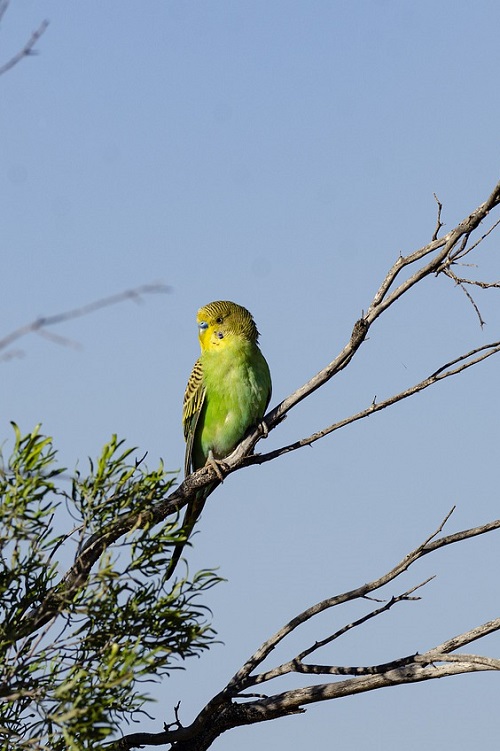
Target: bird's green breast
[[237, 390]]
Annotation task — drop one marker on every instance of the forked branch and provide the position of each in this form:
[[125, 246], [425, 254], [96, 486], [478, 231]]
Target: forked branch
[[237, 704], [28, 48], [41, 325], [438, 256]]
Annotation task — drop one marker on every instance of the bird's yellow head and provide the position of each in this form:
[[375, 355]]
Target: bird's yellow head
[[221, 322]]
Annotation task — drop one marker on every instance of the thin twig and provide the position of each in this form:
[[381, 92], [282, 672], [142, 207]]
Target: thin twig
[[4, 4], [235, 706], [28, 49], [442, 247], [296, 664], [473, 282], [241, 678], [452, 368], [40, 324], [439, 223]]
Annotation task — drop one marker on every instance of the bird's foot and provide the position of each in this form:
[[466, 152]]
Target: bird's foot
[[216, 464], [263, 429]]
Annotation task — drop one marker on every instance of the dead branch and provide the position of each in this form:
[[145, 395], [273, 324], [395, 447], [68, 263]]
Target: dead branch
[[40, 325], [235, 705], [439, 223], [28, 50], [452, 368], [446, 251], [443, 250]]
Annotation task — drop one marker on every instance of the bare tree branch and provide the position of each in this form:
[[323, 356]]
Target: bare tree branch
[[452, 368], [428, 546], [440, 263], [444, 250], [4, 4], [39, 325], [235, 706], [297, 665], [449, 249], [28, 49], [439, 223]]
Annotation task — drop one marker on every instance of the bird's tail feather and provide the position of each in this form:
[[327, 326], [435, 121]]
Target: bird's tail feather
[[191, 516]]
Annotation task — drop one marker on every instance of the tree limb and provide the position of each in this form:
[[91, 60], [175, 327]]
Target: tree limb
[[28, 49], [446, 250], [39, 325], [234, 706], [454, 367]]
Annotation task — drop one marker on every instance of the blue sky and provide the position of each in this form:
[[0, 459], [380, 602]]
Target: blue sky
[[281, 155]]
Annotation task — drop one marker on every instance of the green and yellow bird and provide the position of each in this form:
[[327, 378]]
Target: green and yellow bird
[[227, 393]]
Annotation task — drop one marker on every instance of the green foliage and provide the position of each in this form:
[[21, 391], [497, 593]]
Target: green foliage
[[28, 501], [71, 675]]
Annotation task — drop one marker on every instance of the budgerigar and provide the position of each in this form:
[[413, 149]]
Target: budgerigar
[[227, 393]]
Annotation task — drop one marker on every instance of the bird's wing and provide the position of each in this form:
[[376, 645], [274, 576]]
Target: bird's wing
[[194, 397]]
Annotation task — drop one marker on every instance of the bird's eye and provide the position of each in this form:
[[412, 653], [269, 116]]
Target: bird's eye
[[219, 320]]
